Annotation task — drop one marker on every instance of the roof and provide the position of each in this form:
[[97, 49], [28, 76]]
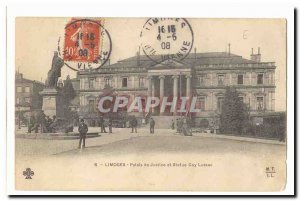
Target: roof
[[24, 80], [194, 59]]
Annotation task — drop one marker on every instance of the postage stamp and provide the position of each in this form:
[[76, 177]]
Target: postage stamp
[[87, 44]]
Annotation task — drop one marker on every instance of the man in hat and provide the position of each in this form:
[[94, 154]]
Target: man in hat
[[102, 124], [110, 125], [83, 129], [152, 124], [134, 124]]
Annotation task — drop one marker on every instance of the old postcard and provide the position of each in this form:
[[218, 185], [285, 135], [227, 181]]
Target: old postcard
[[150, 104]]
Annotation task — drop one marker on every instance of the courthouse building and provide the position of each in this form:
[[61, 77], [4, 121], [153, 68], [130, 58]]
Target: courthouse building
[[201, 75]]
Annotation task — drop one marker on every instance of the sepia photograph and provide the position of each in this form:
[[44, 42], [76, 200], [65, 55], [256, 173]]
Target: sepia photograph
[[150, 104]]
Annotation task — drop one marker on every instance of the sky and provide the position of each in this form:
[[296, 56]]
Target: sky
[[36, 41]]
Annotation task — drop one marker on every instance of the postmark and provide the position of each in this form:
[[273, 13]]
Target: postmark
[[164, 40], [87, 44]]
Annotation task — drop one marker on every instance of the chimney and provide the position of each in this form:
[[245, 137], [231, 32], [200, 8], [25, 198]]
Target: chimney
[[256, 57], [229, 48], [19, 76]]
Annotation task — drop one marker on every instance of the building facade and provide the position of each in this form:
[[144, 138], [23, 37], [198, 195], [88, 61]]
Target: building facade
[[27, 97], [201, 75]]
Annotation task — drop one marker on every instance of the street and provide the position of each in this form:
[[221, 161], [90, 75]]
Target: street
[[122, 141], [224, 163]]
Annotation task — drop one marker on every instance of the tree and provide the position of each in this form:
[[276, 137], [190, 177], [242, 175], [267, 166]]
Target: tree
[[68, 93], [234, 113]]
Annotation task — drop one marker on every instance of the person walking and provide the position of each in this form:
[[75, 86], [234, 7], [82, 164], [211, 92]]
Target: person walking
[[173, 125], [134, 124], [152, 124], [110, 125], [31, 123], [82, 129], [186, 128], [102, 125]]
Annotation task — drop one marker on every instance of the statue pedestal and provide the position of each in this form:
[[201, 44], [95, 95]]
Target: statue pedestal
[[51, 103]]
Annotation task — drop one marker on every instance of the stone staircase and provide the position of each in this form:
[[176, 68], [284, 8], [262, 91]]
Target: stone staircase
[[164, 122]]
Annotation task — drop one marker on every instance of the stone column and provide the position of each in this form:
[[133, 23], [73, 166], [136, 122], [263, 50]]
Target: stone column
[[175, 90], [153, 91], [188, 85], [188, 91], [149, 86], [175, 86], [161, 86]]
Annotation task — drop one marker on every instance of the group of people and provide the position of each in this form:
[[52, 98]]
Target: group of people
[[102, 125], [182, 126], [40, 121], [134, 124], [83, 128]]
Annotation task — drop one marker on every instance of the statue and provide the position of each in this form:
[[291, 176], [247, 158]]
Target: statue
[[55, 72]]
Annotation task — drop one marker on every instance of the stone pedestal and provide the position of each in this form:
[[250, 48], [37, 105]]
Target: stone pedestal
[[51, 103]]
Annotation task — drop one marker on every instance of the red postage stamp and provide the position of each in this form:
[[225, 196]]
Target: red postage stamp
[[82, 40]]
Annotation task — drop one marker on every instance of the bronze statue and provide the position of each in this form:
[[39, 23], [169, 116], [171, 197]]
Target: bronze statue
[[55, 72]]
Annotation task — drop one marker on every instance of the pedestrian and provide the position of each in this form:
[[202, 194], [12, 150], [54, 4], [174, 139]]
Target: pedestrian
[[110, 125], [41, 120], [185, 128], [83, 129], [177, 125], [152, 124], [31, 123], [134, 124], [102, 125], [48, 124], [173, 125]]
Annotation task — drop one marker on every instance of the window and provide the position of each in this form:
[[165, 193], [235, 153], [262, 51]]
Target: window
[[220, 79], [201, 79], [241, 99], [240, 79], [142, 82], [202, 103], [124, 82], [91, 83], [18, 101], [107, 81], [260, 78], [220, 103], [27, 89], [19, 89], [259, 103], [27, 100], [91, 105]]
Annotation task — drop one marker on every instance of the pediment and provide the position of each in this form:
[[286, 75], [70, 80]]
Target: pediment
[[169, 64]]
